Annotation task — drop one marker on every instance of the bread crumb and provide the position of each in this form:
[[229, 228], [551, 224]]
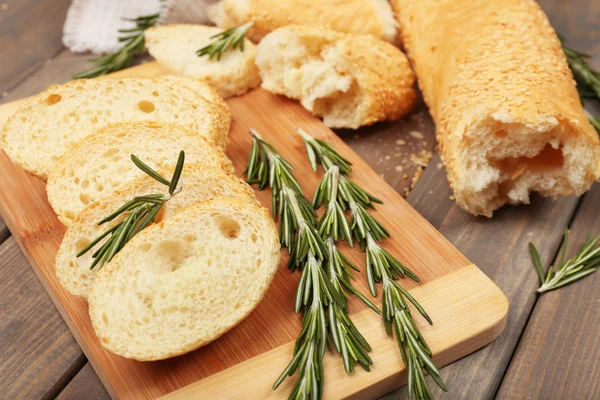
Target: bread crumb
[[387, 157], [4, 6], [416, 176], [439, 165], [406, 191], [451, 197], [399, 168], [382, 176], [416, 134], [400, 142], [422, 159], [404, 176]]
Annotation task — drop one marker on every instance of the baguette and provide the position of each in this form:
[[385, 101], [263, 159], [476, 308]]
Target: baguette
[[174, 47], [373, 17], [200, 182], [183, 282], [48, 124], [508, 117], [349, 80], [100, 163]]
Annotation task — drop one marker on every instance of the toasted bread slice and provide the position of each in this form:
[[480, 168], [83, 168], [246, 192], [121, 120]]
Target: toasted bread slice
[[349, 80], [174, 47], [49, 124], [101, 162], [200, 183], [185, 281]]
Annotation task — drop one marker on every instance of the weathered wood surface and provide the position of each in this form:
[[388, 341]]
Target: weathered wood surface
[[578, 20], [84, 386]]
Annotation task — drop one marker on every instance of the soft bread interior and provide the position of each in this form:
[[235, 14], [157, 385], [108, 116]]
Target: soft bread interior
[[507, 161], [388, 21], [184, 282], [314, 70]]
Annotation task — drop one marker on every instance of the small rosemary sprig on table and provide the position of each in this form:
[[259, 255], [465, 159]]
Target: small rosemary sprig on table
[[139, 212], [571, 270], [588, 79], [381, 266], [232, 38], [324, 283], [134, 45]]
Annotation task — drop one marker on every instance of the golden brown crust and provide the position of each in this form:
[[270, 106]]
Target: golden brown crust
[[485, 60]]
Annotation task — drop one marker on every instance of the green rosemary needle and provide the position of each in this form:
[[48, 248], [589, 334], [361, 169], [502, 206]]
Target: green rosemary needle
[[138, 214], [233, 38], [134, 45], [571, 270]]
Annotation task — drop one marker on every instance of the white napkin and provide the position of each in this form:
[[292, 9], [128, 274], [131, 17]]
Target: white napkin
[[92, 25]]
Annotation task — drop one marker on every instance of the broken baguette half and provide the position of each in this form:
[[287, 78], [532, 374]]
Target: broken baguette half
[[349, 80], [182, 283], [200, 182], [101, 162]]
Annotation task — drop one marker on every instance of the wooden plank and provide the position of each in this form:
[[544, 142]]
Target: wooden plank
[[414, 241], [561, 339], [499, 247], [38, 351], [84, 386], [30, 34]]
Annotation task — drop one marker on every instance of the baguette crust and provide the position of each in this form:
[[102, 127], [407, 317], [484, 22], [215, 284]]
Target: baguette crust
[[508, 115], [350, 80], [352, 16]]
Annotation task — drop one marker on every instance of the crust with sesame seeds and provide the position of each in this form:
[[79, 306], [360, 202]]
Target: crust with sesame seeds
[[349, 80], [508, 117]]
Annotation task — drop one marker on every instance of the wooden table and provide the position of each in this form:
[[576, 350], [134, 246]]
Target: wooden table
[[550, 347]]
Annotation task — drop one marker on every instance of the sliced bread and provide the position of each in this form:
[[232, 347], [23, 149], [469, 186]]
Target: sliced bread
[[185, 281], [373, 17], [200, 183], [349, 80], [49, 124], [101, 162], [174, 47]]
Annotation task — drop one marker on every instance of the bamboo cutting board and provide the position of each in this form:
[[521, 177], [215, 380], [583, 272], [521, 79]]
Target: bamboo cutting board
[[467, 309]]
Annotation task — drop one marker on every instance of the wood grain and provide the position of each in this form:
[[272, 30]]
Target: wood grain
[[30, 33], [561, 339], [38, 351], [499, 247], [84, 386], [414, 242]]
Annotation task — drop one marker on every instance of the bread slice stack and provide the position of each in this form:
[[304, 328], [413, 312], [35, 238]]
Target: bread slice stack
[[208, 257]]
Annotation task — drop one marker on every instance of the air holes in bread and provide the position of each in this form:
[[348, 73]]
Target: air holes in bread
[[228, 227], [52, 99], [81, 244], [146, 106], [169, 256]]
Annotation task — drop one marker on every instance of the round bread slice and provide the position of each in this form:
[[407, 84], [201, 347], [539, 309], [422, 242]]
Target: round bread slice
[[49, 124], [174, 47], [185, 281], [200, 183], [349, 80], [100, 163]]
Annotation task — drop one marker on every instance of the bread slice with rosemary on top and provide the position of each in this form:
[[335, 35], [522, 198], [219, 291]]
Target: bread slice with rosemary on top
[[373, 17], [52, 122], [200, 182], [349, 80], [175, 46], [182, 283], [101, 162]]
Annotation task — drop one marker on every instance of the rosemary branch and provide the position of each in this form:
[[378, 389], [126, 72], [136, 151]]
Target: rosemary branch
[[381, 266], [232, 38], [581, 265], [138, 213]]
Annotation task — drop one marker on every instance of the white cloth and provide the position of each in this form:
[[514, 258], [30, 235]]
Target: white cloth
[[92, 25]]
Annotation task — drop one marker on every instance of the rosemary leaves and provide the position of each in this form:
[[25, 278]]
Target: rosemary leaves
[[138, 213], [581, 265], [232, 38]]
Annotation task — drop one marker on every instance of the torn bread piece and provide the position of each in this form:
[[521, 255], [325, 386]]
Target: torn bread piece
[[200, 182], [174, 47], [349, 80], [373, 17], [508, 116], [199, 272], [101, 162]]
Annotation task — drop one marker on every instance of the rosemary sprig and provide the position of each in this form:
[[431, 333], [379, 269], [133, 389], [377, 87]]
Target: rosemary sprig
[[139, 213], [134, 44], [232, 38], [588, 79], [381, 266], [580, 266]]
